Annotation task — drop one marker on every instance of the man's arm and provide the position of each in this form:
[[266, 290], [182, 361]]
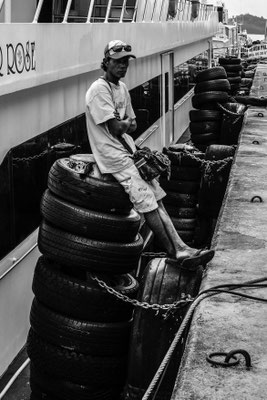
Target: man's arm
[[117, 126]]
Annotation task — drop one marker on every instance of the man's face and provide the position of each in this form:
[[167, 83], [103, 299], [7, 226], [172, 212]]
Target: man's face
[[118, 68]]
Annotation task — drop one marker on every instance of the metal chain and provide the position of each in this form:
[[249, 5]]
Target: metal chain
[[185, 299], [220, 163], [30, 158]]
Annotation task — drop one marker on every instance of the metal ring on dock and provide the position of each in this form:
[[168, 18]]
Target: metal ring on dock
[[255, 142], [209, 358], [260, 114], [232, 353], [256, 198]]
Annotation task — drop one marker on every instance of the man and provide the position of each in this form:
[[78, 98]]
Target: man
[[110, 118]]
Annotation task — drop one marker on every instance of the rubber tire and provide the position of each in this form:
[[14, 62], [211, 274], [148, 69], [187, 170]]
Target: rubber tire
[[180, 199], [205, 115], [233, 74], [229, 60], [205, 127], [233, 80], [89, 223], [204, 138], [208, 97], [181, 212], [162, 283], [184, 159], [211, 74], [214, 85], [81, 336], [92, 255], [189, 187], [186, 173], [75, 367], [233, 67], [83, 299], [46, 387], [89, 192]]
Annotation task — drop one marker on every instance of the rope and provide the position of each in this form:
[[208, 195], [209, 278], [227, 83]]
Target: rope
[[14, 377], [171, 349], [204, 294]]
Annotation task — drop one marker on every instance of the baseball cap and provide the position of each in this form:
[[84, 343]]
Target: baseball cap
[[117, 49]]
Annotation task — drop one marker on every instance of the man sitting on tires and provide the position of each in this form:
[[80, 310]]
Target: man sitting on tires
[[109, 116]]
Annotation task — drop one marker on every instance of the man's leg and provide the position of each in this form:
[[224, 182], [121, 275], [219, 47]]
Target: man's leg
[[161, 224]]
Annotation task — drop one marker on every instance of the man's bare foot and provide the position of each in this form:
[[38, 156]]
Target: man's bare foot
[[192, 258]]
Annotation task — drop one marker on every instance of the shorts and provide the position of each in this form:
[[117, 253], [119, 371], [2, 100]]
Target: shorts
[[144, 195]]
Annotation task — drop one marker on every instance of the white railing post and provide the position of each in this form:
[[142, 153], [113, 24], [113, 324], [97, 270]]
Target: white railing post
[[67, 11], [1, 4], [38, 10], [108, 10], [90, 11], [135, 10], [7, 10], [123, 9]]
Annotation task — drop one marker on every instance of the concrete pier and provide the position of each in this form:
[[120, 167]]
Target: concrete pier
[[225, 322]]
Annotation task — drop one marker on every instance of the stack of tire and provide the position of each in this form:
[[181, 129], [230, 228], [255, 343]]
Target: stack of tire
[[79, 336], [182, 190], [212, 87], [233, 68], [212, 189]]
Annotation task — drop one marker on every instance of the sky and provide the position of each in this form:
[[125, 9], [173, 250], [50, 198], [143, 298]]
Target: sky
[[254, 7]]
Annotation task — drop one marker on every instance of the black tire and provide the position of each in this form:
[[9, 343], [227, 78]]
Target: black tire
[[204, 115], [86, 337], [209, 97], [219, 152], [83, 299], [189, 187], [186, 173], [89, 192], [211, 74], [204, 138], [236, 79], [75, 367], [184, 159], [184, 224], [186, 236], [92, 255], [214, 85], [89, 223], [233, 74], [163, 283], [233, 67], [180, 199], [46, 387], [208, 106], [181, 212], [229, 60], [205, 127]]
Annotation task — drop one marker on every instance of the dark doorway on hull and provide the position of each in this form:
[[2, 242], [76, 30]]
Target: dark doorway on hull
[[46, 11]]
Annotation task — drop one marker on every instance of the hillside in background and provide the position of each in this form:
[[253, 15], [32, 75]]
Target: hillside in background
[[254, 25]]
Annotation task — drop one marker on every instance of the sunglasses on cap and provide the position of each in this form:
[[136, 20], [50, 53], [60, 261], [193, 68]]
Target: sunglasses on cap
[[119, 48]]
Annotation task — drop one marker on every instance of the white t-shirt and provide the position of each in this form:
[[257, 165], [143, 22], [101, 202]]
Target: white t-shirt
[[110, 155]]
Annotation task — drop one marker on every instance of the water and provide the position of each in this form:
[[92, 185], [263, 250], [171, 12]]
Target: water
[[256, 37]]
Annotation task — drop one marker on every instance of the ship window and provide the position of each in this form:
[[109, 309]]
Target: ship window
[[146, 104], [185, 75], [23, 178]]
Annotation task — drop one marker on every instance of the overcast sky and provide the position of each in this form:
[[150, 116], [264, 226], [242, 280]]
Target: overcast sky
[[254, 7]]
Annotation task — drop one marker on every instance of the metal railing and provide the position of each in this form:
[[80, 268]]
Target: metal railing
[[138, 12]]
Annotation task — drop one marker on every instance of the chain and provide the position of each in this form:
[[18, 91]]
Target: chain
[[169, 308], [31, 158]]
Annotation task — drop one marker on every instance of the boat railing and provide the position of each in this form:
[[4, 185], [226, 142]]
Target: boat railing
[[128, 11]]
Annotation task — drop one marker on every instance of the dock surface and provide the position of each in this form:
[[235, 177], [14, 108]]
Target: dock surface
[[225, 322]]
